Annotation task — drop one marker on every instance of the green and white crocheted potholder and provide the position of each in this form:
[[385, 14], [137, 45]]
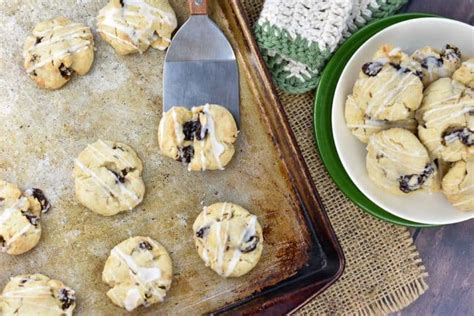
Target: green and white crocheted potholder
[[297, 37]]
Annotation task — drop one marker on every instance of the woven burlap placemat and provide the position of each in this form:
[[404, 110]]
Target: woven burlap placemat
[[384, 272]]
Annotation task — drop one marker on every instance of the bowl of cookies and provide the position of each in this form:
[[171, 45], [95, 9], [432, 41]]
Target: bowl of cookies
[[403, 120]]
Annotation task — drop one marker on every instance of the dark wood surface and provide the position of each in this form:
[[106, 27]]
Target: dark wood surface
[[447, 251]]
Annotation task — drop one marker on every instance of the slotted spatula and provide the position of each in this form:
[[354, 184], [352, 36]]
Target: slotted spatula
[[200, 65]]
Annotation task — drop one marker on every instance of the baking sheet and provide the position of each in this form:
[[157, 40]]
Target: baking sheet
[[120, 99]]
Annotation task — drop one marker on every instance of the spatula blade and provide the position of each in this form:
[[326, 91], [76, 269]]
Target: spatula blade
[[200, 67]]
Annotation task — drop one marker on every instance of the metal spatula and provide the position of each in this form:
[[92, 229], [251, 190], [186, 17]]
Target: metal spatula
[[200, 65]]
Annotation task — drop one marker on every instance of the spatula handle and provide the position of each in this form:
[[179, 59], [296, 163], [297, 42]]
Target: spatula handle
[[197, 7]]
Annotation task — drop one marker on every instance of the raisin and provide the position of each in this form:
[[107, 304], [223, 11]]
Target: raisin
[[118, 147], [39, 195], [452, 53], [250, 244], [33, 219], [465, 136], [127, 171], [192, 129], [431, 62], [67, 298], [371, 69], [33, 58], [2, 199], [119, 177], [65, 71], [419, 74], [185, 154], [38, 40], [123, 173], [400, 69], [2, 241], [413, 182], [145, 245], [202, 232]]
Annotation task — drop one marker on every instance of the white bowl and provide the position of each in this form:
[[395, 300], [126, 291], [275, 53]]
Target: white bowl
[[421, 207]]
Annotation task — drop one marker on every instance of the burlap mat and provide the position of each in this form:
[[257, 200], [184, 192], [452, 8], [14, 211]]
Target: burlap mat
[[384, 272]]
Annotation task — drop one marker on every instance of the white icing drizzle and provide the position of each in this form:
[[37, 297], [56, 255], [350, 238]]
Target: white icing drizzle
[[7, 213], [221, 240], [57, 34], [60, 54], [394, 51], [205, 254], [24, 230], [144, 275], [117, 19], [393, 153], [393, 93], [178, 128], [162, 128], [249, 231], [74, 33], [116, 154], [31, 292], [105, 187], [455, 110], [132, 299], [217, 147]]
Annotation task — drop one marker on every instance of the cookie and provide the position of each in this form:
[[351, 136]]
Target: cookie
[[20, 228], [108, 178], [131, 26], [389, 87], [36, 294], [139, 270], [56, 50], [437, 64], [228, 238], [465, 74], [399, 163], [363, 127], [202, 137], [458, 185], [446, 119]]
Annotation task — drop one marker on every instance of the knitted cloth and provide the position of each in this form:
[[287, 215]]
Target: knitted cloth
[[298, 37]]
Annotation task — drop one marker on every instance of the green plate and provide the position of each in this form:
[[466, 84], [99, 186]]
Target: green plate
[[322, 117]]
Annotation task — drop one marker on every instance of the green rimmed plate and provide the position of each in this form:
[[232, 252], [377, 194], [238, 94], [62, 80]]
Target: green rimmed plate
[[322, 117]]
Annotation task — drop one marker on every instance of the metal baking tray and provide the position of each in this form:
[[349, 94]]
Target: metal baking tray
[[121, 99]]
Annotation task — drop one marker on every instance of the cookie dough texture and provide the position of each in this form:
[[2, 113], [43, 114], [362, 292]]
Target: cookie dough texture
[[399, 163], [389, 87], [458, 185], [56, 49], [465, 74], [131, 26], [446, 120], [202, 137], [228, 239], [437, 64], [139, 270], [36, 294], [20, 228], [108, 178]]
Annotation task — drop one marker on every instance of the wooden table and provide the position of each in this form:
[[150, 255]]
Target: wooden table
[[447, 251]]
